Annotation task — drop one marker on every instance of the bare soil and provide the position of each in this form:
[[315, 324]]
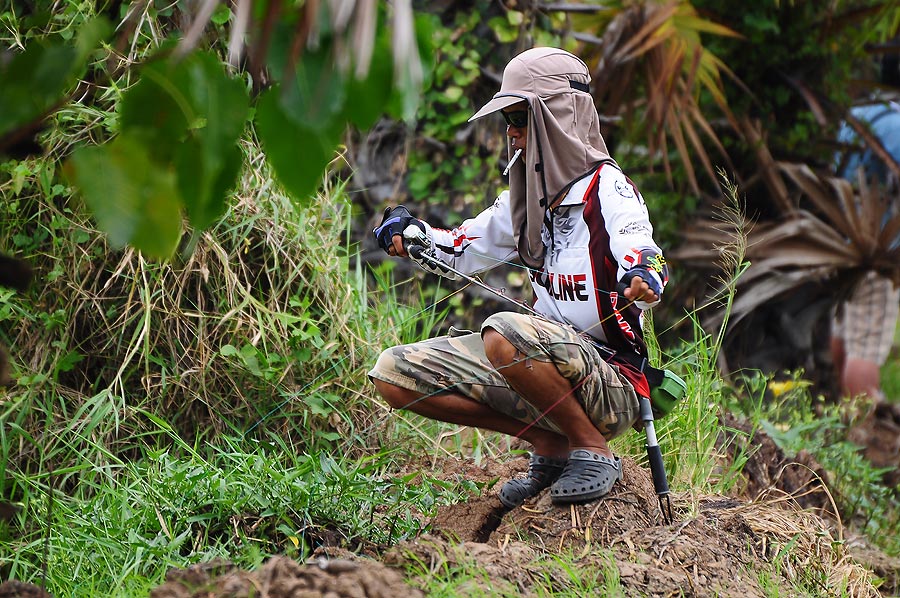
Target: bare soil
[[878, 432], [716, 546], [777, 527]]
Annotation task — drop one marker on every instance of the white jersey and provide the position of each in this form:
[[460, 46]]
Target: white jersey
[[598, 232]]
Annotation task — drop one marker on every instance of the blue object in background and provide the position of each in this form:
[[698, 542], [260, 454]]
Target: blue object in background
[[884, 122]]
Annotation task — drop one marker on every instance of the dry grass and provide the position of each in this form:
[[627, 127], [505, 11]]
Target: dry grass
[[270, 281], [803, 545]]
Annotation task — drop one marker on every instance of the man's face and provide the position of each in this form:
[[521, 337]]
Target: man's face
[[516, 117]]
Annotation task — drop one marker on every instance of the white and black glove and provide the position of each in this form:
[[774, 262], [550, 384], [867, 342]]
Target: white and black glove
[[651, 268]]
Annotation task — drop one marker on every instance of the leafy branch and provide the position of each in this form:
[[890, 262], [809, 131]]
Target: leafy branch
[[313, 71]]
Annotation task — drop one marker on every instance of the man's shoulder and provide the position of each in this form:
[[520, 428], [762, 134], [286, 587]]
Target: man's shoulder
[[502, 202], [613, 182]]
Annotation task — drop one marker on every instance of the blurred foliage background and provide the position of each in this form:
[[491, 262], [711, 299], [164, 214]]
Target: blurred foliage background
[[194, 185]]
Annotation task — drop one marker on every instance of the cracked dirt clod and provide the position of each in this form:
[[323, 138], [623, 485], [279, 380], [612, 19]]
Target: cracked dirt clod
[[281, 577]]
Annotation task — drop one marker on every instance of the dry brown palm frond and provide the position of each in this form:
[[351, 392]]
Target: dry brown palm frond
[[656, 47], [865, 217], [873, 143], [844, 233], [752, 130]]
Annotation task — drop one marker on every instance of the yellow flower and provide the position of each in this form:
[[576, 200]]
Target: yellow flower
[[779, 388]]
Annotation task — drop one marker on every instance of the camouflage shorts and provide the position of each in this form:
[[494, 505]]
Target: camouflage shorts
[[457, 363]]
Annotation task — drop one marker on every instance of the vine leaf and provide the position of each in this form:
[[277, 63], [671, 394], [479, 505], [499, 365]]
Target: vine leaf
[[297, 152], [33, 83], [186, 116], [133, 199], [369, 98]]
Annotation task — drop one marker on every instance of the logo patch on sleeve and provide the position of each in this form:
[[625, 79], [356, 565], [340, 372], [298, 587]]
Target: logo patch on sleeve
[[624, 189], [634, 228]]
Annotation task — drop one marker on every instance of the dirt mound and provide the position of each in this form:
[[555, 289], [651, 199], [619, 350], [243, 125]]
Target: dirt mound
[[18, 589], [767, 468], [716, 546], [284, 578], [706, 553]]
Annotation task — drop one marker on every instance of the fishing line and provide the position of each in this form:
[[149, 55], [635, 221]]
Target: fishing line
[[519, 265], [711, 301], [335, 365], [418, 252]]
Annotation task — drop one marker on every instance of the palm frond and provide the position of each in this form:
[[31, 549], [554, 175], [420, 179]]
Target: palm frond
[[752, 130], [823, 249], [657, 46]]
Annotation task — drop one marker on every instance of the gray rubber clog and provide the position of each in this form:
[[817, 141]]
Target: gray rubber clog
[[587, 476], [542, 471]]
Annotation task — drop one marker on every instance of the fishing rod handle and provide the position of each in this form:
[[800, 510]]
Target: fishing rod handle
[[415, 237]]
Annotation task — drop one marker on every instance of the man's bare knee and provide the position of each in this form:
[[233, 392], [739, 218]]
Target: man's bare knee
[[395, 396], [499, 351]]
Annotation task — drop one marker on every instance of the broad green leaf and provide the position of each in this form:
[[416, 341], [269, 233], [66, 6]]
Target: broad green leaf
[[502, 27], [314, 96], [37, 79], [209, 162], [33, 82], [191, 113], [298, 153], [90, 34], [204, 182], [221, 15], [157, 111], [134, 200], [221, 100], [318, 405]]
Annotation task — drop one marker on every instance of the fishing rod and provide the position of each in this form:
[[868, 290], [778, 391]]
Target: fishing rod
[[418, 252], [416, 240]]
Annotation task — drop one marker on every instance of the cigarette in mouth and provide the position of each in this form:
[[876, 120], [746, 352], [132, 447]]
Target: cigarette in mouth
[[512, 161]]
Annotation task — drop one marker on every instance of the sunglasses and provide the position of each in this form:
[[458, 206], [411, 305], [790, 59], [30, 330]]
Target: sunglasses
[[517, 118]]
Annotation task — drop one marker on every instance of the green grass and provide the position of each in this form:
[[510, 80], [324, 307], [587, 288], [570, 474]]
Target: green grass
[[797, 420], [890, 371], [117, 525], [563, 575]]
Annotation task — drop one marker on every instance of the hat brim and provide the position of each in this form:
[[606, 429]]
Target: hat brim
[[498, 103]]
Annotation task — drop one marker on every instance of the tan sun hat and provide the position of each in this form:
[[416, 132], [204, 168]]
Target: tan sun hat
[[564, 140], [539, 72]]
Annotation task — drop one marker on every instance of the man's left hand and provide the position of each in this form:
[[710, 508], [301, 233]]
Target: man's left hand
[[639, 290]]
